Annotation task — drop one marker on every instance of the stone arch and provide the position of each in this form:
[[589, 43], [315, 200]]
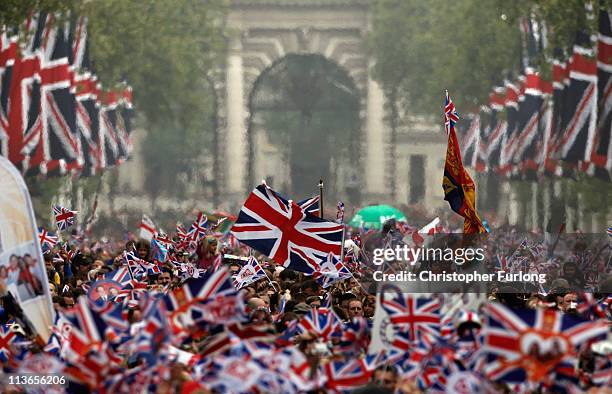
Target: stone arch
[[343, 84], [264, 31]]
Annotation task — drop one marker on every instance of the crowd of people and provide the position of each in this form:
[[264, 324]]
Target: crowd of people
[[296, 332]]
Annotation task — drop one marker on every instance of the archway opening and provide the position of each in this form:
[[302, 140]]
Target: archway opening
[[304, 125]]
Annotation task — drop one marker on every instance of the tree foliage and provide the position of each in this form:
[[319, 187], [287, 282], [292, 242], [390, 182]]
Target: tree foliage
[[467, 47], [14, 12], [422, 48], [165, 49]]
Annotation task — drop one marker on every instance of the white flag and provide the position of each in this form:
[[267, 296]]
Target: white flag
[[147, 228]]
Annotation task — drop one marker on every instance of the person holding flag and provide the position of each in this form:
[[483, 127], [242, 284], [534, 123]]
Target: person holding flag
[[459, 188]]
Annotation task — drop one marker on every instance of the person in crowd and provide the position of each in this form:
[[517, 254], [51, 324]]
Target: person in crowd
[[13, 269], [573, 275], [143, 249], [314, 301], [207, 252], [386, 376], [355, 308], [274, 305]]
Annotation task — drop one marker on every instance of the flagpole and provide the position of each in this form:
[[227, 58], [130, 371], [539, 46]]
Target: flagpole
[[321, 198], [342, 244]]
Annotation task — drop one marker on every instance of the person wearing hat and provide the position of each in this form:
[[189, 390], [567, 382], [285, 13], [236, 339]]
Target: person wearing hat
[[301, 309]]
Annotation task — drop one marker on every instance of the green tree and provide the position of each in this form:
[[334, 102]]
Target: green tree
[[165, 49], [422, 48], [467, 46]]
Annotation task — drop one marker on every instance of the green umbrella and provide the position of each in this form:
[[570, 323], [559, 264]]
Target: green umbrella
[[375, 215]]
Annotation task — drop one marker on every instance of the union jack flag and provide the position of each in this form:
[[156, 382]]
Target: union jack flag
[[7, 339], [355, 336], [322, 322], [418, 317], [501, 263], [181, 233], [154, 333], [342, 376], [197, 231], [281, 230], [332, 271], [310, 205], [451, 116], [340, 213], [47, 239], [528, 344], [87, 329], [609, 231], [64, 218], [121, 275], [211, 297], [249, 273]]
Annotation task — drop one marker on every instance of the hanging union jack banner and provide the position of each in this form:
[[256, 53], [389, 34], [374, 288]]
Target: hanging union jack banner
[[64, 218], [281, 230]]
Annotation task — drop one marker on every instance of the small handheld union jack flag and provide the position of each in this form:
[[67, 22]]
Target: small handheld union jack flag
[[64, 218], [197, 231], [340, 213], [451, 116], [47, 239], [324, 323], [609, 231]]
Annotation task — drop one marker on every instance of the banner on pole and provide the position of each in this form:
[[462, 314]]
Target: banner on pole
[[22, 268]]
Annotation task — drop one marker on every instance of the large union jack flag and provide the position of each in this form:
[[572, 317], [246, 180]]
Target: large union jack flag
[[197, 231], [281, 230], [529, 344], [64, 218]]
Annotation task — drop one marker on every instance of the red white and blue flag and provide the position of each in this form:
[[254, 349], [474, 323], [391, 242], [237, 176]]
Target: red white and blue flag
[[64, 218], [212, 298], [197, 231], [47, 239], [7, 339], [281, 230], [249, 273], [451, 116], [310, 205], [345, 376], [331, 271], [322, 322], [526, 345], [416, 316]]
